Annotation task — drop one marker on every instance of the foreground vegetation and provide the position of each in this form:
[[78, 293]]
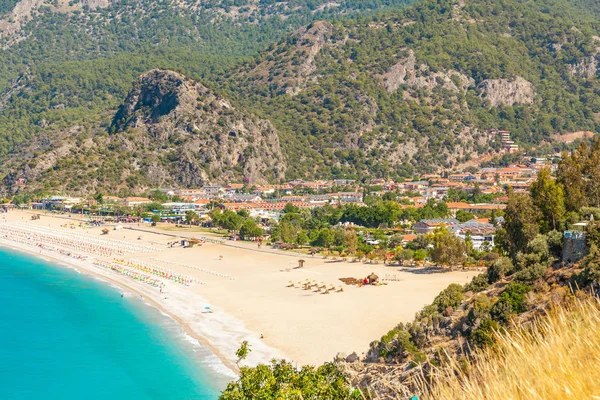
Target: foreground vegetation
[[556, 358]]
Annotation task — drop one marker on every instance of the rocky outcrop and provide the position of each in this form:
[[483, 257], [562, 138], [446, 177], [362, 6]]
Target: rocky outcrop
[[199, 135], [585, 68], [507, 92], [316, 36], [24, 10], [405, 72]]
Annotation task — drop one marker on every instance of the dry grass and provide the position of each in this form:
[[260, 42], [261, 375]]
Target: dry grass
[[559, 358]]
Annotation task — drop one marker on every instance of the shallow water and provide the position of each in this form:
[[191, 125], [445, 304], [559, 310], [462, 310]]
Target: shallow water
[[65, 335]]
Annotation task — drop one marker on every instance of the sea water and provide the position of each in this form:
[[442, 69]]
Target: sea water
[[65, 335]]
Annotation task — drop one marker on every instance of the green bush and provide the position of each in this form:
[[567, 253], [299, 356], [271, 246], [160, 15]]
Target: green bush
[[479, 283], [449, 297], [512, 301], [484, 335], [282, 380], [498, 270]]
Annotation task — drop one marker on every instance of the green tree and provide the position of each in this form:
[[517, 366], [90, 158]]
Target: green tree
[[404, 255], [520, 222], [448, 249], [232, 221], [250, 230], [547, 195], [158, 196], [289, 230], [395, 240], [243, 351], [302, 238], [420, 255], [570, 177], [99, 197], [350, 241], [464, 216], [485, 334], [499, 269], [282, 380], [290, 208], [243, 213], [324, 238], [191, 217]]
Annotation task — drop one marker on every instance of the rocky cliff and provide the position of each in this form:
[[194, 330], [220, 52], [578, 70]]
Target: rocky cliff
[[196, 135], [169, 131]]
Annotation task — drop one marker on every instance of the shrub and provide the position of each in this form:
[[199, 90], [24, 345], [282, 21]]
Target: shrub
[[479, 283], [555, 243], [530, 274], [498, 270], [511, 301], [449, 297], [484, 335]]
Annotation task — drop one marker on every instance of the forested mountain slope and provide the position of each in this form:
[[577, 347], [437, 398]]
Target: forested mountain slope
[[415, 90], [70, 63], [169, 131], [384, 94]]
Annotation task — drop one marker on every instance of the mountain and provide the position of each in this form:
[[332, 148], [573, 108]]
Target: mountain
[[169, 131], [416, 90], [374, 91]]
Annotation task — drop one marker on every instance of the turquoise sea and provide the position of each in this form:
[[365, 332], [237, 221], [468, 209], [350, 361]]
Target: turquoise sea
[[65, 335]]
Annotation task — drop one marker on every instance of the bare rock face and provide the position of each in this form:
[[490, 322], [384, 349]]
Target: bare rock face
[[406, 72], [506, 92], [313, 39], [586, 68], [194, 135]]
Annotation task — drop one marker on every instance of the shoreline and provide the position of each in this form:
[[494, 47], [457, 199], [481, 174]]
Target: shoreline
[[254, 295], [228, 364]]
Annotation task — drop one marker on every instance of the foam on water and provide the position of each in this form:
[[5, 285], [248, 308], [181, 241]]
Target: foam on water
[[66, 336]]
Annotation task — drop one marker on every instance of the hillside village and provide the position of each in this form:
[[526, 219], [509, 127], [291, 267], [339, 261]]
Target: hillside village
[[469, 205]]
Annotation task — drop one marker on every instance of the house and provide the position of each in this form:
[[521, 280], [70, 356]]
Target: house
[[213, 190], [233, 187], [479, 231], [461, 177], [343, 182], [348, 197], [179, 209], [135, 201], [415, 186], [573, 246], [201, 203], [574, 243], [243, 198], [426, 226]]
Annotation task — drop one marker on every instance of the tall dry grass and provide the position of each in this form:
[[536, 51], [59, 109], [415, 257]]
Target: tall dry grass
[[558, 358]]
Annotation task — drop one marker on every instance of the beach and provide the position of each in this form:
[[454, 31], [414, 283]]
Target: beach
[[222, 295]]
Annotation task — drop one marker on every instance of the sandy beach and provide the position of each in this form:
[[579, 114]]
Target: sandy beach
[[245, 288]]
